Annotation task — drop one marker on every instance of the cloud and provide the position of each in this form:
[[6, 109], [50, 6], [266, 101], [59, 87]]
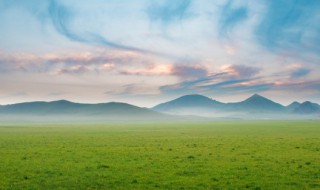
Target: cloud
[[168, 11], [79, 22], [231, 16], [231, 78], [149, 69], [184, 72], [217, 86], [77, 69], [61, 17], [241, 71], [300, 72], [189, 71], [290, 25], [66, 63], [239, 79]]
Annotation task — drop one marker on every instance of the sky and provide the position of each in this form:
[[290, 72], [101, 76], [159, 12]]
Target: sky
[[145, 52]]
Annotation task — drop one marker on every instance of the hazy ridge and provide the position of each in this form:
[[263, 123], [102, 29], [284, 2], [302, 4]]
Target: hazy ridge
[[189, 107]]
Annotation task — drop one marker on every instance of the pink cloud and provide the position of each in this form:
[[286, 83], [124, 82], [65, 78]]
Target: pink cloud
[[241, 71]]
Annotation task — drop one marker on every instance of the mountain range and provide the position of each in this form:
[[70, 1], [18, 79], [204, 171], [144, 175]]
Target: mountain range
[[195, 105], [255, 106], [66, 110], [63, 107]]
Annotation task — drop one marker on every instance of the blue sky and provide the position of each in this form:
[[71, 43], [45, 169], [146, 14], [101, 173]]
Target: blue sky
[[148, 51]]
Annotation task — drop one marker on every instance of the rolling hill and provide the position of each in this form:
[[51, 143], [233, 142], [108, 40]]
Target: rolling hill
[[188, 104], [194, 106], [255, 106], [203, 104], [291, 107], [307, 108], [257, 103], [63, 109]]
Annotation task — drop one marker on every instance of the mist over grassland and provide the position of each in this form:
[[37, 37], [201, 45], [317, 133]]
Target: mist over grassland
[[185, 108]]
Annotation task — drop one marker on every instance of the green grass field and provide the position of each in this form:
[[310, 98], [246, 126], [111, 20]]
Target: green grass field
[[218, 155]]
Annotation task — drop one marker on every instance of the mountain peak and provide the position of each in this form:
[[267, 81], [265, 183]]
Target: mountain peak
[[295, 103], [61, 101], [256, 96], [307, 108], [307, 103], [188, 101], [258, 102], [293, 106], [193, 95], [195, 98]]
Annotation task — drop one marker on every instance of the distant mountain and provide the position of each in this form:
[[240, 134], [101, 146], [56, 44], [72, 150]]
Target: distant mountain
[[63, 108], [291, 107], [307, 108], [257, 103], [190, 105], [41, 108], [195, 107], [187, 102], [204, 106]]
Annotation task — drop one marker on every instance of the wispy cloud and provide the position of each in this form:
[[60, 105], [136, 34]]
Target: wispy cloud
[[231, 16], [240, 86], [290, 25], [148, 69], [66, 63], [62, 16], [241, 71], [224, 84], [189, 71], [167, 11], [184, 72], [301, 72], [216, 86]]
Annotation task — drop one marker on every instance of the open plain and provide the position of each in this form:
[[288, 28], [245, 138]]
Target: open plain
[[213, 155]]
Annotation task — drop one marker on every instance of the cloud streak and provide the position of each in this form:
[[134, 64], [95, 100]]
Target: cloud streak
[[290, 24], [67, 63], [301, 72], [61, 18], [220, 86], [167, 11], [230, 17], [181, 71], [189, 71], [243, 79], [241, 71]]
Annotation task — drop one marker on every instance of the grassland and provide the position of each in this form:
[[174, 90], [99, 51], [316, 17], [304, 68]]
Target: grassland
[[219, 155]]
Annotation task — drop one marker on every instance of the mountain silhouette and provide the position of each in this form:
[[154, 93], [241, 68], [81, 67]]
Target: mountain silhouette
[[203, 104], [63, 108], [307, 108], [187, 102], [257, 103], [196, 105], [291, 107]]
